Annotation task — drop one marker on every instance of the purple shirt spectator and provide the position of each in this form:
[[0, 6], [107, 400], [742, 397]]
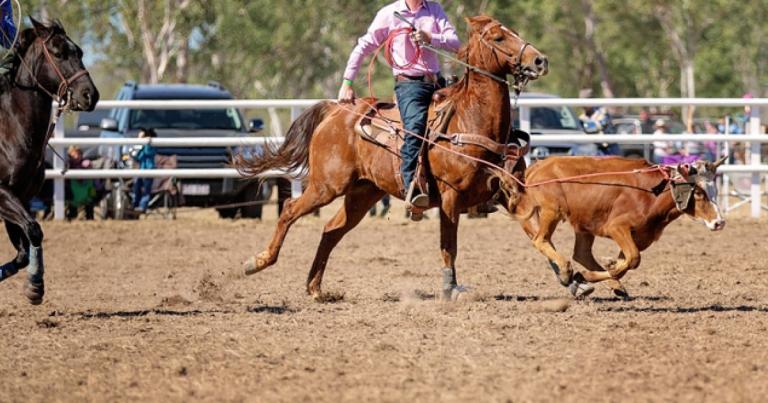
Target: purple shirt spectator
[[430, 17]]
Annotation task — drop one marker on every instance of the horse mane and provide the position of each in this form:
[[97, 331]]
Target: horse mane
[[26, 39]]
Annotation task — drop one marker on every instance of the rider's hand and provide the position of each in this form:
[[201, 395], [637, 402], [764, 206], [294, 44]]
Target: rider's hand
[[421, 37], [346, 94]]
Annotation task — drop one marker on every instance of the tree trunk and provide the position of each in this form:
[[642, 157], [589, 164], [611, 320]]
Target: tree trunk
[[182, 65], [690, 84], [147, 44], [590, 23]]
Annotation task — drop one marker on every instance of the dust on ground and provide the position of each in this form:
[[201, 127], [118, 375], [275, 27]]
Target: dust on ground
[[150, 311]]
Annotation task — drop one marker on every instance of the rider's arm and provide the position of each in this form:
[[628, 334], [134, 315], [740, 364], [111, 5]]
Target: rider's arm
[[446, 38], [368, 43], [7, 26]]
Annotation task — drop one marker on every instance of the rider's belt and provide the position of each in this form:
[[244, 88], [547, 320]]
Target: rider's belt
[[431, 78]]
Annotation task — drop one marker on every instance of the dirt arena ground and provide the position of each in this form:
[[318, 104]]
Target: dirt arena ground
[[146, 311]]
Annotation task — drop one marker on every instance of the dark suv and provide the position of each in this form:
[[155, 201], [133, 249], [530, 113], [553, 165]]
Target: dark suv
[[123, 122]]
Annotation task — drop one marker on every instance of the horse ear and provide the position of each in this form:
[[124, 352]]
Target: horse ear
[[40, 29], [26, 37], [479, 22]]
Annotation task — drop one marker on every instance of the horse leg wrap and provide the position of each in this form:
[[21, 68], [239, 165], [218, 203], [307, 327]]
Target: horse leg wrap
[[556, 269], [7, 270], [34, 289], [36, 268], [449, 282]]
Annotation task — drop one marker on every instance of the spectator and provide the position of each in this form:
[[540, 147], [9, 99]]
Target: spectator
[[80, 192], [728, 125], [646, 123], [710, 147], [145, 156], [661, 149]]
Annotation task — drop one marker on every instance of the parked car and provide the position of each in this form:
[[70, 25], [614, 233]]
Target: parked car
[[123, 122], [553, 120]]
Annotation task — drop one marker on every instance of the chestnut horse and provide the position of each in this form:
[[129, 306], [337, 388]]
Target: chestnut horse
[[48, 66], [339, 162]]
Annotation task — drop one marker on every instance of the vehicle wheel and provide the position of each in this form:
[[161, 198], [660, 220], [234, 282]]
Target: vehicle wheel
[[227, 213], [254, 193], [170, 203]]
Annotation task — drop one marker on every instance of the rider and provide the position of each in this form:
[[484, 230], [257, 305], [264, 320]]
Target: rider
[[7, 34], [414, 85]]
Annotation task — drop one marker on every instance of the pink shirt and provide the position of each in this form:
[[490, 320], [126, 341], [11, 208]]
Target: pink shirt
[[430, 17]]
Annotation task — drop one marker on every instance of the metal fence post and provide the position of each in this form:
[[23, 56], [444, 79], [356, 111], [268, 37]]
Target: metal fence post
[[58, 164], [525, 125], [295, 112], [755, 148]]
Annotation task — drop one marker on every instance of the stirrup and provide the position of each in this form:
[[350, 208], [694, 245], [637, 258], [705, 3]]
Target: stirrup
[[419, 201]]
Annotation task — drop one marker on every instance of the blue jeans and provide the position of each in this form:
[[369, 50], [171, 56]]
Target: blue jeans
[[142, 191], [413, 100]]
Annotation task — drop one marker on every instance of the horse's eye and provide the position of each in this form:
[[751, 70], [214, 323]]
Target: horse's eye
[[499, 39]]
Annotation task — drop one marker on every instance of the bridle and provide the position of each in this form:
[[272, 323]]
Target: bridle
[[64, 91], [519, 72], [62, 95]]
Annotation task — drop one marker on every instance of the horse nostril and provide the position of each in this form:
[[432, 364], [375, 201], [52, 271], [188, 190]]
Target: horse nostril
[[539, 60]]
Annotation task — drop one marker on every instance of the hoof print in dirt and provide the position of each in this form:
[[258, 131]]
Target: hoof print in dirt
[[329, 297]]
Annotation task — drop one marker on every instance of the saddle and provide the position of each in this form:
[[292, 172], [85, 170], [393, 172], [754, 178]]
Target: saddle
[[382, 126]]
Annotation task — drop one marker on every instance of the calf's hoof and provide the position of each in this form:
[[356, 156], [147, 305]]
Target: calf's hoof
[[34, 291], [621, 293]]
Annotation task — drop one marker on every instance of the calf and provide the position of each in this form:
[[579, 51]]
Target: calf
[[628, 201]]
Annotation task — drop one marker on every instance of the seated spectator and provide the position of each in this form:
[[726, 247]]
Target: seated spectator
[[80, 192]]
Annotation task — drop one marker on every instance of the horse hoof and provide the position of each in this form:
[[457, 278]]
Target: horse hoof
[[455, 294], [34, 292], [580, 290], [255, 264]]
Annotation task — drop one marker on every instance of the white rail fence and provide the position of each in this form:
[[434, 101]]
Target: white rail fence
[[756, 168]]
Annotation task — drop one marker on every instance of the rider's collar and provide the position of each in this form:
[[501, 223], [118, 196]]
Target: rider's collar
[[403, 5]]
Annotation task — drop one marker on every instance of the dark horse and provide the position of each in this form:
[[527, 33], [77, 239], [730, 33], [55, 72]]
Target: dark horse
[[48, 65], [340, 162]]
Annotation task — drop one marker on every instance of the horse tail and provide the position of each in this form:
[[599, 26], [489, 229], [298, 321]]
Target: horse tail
[[293, 153]]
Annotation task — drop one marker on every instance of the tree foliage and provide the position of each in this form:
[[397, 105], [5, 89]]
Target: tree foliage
[[298, 48]]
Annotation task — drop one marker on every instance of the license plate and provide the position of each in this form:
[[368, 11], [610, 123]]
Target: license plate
[[195, 190]]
